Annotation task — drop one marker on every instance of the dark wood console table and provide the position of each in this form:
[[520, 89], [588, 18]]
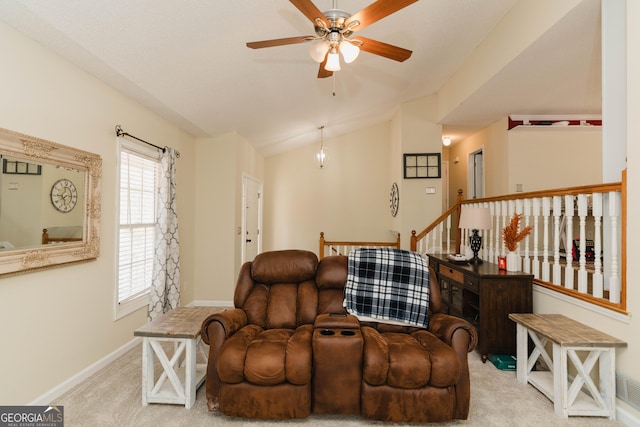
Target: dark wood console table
[[485, 296]]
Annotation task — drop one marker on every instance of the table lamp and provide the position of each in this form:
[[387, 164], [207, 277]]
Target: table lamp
[[474, 219]]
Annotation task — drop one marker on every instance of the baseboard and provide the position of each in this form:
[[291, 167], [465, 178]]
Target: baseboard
[[50, 396], [210, 303], [68, 384], [626, 417]]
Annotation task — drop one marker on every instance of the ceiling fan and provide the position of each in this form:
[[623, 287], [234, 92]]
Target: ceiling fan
[[334, 34]]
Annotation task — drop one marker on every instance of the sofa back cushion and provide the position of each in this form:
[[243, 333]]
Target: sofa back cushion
[[330, 279], [278, 290]]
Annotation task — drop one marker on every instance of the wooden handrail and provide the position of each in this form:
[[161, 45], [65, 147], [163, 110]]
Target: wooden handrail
[[324, 243], [595, 188], [417, 236]]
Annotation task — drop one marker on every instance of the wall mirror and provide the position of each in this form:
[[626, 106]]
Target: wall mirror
[[49, 203]]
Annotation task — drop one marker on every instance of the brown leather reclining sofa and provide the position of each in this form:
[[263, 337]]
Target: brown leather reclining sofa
[[288, 349]]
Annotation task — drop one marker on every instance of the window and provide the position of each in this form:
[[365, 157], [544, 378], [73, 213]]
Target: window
[[137, 221]]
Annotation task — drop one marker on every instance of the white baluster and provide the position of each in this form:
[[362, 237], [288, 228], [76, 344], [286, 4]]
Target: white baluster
[[569, 211], [486, 239], [493, 257], [535, 264], [505, 221], [598, 291], [546, 211], [527, 221], [434, 236], [614, 279], [557, 212], [582, 271], [448, 236], [498, 237]]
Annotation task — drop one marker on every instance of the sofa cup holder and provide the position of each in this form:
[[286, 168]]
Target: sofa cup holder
[[343, 332]]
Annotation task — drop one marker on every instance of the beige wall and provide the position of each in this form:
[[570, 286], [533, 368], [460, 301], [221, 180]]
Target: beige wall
[[348, 199], [220, 163], [415, 131], [544, 157], [493, 141], [55, 323], [627, 359]]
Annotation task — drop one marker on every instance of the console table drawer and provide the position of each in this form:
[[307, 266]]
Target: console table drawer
[[452, 274], [471, 284]]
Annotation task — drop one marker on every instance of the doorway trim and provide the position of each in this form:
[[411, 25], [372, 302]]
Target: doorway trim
[[475, 174], [243, 229]]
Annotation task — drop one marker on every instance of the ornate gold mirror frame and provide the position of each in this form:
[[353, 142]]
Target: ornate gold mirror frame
[[39, 151]]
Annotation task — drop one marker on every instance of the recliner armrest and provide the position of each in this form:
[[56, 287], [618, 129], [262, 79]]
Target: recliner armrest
[[231, 320], [444, 327]]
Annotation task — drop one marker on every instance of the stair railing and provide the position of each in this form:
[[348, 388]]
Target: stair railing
[[577, 246], [343, 248]]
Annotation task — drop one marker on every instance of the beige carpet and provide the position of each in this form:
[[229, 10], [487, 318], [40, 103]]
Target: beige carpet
[[112, 398]]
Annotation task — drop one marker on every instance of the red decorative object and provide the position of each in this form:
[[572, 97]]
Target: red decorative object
[[502, 263]]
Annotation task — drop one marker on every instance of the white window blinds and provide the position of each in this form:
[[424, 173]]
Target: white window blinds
[[138, 189]]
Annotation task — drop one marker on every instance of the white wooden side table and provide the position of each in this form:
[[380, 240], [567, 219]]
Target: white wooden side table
[[181, 327], [580, 397]]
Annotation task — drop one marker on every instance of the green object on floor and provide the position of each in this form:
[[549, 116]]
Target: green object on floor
[[504, 362]]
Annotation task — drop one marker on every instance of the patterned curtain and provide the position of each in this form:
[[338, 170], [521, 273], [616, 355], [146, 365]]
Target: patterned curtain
[[165, 288]]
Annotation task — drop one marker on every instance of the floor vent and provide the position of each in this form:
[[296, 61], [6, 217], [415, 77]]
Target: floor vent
[[628, 390]]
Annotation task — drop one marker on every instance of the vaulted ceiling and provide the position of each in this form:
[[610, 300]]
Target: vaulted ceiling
[[188, 61]]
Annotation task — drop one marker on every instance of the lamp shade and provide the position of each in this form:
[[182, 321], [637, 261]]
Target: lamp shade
[[318, 51], [349, 51], [475, 218], [333, 62]]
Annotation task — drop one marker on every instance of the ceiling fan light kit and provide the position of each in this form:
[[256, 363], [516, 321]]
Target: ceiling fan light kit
[[334, 30]]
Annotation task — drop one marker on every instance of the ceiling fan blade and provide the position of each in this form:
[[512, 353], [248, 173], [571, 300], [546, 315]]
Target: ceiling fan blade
[[376, 11], [384, 49], [278, 42], [309, 10], [322, 73]]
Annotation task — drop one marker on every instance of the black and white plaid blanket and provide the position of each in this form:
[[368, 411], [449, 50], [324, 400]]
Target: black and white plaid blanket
[[388, 284]]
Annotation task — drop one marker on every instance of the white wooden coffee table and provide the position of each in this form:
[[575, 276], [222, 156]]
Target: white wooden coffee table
[[181, 327]]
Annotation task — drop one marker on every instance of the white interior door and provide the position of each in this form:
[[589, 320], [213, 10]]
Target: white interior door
[[252, 218]]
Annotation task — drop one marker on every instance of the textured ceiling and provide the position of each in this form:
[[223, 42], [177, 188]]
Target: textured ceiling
[[188, 61]]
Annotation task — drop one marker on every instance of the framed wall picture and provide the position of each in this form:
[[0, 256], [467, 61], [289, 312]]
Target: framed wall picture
[[422, 165]]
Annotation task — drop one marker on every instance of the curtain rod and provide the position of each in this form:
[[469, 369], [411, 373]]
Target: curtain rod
[[120, 132]]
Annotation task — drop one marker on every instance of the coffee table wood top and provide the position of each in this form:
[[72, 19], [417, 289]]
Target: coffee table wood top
[[181, 322], [564, 331]]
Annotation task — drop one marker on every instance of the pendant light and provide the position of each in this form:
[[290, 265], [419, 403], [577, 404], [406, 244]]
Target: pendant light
[[321, 156]]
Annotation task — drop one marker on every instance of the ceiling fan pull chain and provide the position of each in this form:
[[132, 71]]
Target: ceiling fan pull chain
[[334, 84]]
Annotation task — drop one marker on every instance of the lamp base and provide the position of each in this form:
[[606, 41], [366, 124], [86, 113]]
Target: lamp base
[[475, 260], [475, 241]]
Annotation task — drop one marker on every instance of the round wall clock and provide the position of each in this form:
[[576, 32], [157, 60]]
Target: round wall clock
[[64, 195], [394, 199]]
